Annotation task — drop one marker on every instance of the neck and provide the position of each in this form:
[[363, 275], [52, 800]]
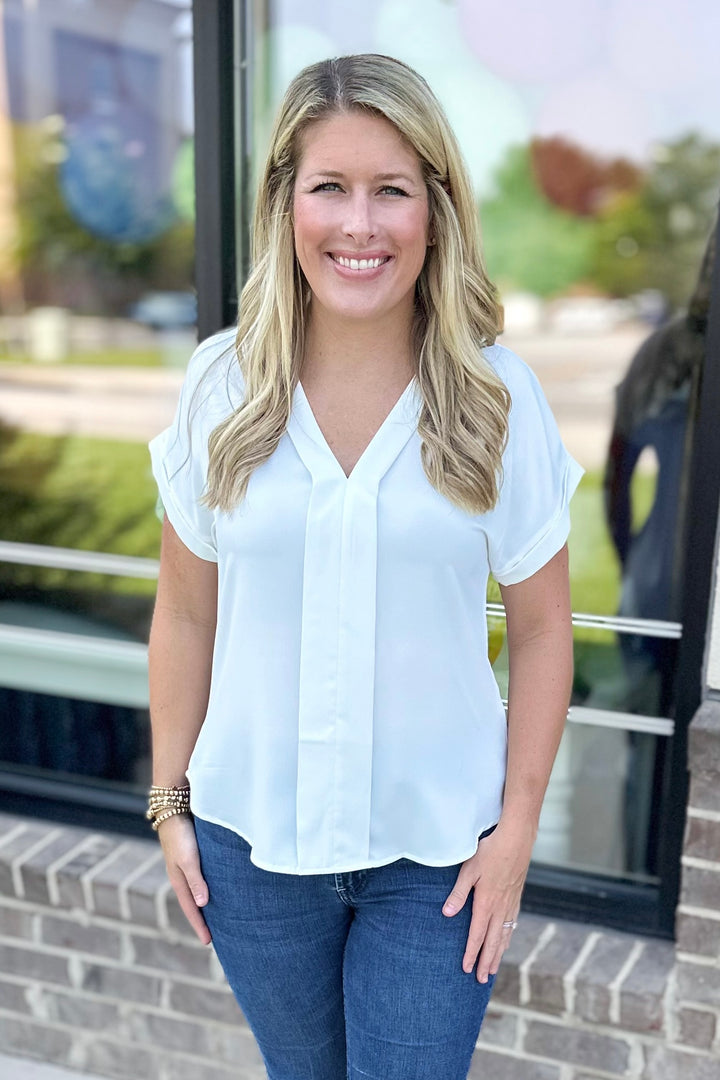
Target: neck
[[357, 350]]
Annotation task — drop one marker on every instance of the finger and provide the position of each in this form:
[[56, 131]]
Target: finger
[[497, 958], [181, 852], [190, 868], [476, 936], [188, 906], [456, 900], [492, 945], [494, 961]]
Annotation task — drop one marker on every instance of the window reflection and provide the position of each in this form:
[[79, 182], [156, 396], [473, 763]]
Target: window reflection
[[97, 322], [593, 141]]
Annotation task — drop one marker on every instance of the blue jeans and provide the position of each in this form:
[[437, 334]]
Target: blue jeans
[[349, 976]]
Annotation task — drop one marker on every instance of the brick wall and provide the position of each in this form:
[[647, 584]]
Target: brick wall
[[697, 969], [99, 971]]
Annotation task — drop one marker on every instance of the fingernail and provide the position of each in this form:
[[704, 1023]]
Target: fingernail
[[449, 909]]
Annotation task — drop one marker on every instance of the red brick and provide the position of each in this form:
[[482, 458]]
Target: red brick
[[547, 991], [697, 1028], [592, 997], [78, 937], [698, 983], [489, 1065], [704, 790], [665, 1064], [577, 1047], [698, 935], [704, 738], [702, 839], [700, 888], [15, 848], [34, 1040], [642, 992], [522, 942]]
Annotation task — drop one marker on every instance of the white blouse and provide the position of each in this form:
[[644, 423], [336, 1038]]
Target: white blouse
[[354, 717]]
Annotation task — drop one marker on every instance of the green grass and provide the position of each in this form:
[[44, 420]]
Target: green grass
[[97, 358], [77, 492]]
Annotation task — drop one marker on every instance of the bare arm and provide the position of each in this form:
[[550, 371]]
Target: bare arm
[[180, 655], [180, 661], [539, 631]]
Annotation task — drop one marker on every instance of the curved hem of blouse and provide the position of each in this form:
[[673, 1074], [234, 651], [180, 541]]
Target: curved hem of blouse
[[341, 869]]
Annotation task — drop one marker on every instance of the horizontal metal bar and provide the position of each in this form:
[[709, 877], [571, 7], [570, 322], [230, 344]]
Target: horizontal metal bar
[[619, 624], [89, 562], [608, 718], [105, 669], [624, 721], [58, 558], [74, 665]]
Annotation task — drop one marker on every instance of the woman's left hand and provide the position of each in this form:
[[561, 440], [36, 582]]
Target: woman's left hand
[[496, 873]]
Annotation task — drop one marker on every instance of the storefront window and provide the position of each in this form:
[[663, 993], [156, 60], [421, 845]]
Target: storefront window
[[593, 141], [97, 321]]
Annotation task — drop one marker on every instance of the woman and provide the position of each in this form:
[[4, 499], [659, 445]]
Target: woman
[[343, 472]]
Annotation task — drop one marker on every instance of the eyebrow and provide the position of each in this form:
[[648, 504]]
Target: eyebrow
[[378, 176]]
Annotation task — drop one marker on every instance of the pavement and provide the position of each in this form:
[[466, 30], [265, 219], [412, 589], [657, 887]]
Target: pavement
[[12, 1068]]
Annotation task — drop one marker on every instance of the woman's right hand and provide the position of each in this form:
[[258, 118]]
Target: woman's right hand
[[179, 844]]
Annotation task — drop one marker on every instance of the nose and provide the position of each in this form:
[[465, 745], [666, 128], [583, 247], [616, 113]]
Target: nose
[[359, 220]]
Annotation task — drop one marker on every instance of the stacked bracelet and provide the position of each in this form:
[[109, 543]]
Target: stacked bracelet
[[164, 802]]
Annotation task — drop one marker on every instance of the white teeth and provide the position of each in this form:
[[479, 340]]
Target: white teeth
[[360, 264]]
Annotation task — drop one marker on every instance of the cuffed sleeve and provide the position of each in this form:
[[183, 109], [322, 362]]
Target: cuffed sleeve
[[179, 454], [531, 520]]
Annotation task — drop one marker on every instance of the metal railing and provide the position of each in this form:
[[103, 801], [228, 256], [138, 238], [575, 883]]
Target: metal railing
[[131, 566], [107, 669]]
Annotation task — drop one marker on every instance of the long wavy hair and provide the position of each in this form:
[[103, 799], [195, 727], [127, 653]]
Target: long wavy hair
[[464, 416]]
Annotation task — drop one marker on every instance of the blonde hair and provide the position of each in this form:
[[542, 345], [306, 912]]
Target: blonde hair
[[463, 420]]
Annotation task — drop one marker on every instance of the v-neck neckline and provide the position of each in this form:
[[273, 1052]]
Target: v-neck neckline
[[303, 411]]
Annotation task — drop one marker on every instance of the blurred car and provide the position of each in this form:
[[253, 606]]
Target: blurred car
[[165, 310]]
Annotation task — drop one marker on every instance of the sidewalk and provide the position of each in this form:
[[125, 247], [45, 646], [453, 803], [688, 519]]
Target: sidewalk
[[12, 1068]]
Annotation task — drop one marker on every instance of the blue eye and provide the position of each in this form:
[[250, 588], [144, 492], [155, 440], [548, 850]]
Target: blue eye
[[394, 190], [326, 185]]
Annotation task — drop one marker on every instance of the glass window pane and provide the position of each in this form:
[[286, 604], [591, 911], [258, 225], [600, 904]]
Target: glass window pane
[[97, 322]]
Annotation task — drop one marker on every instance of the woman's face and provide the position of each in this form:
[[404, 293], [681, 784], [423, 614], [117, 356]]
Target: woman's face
[[360, 213]]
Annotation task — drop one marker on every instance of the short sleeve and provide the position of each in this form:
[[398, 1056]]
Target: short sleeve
[[531, 520], [179, 454]]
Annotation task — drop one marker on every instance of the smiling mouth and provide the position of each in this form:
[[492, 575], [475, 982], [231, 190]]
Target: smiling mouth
[[359, 264]]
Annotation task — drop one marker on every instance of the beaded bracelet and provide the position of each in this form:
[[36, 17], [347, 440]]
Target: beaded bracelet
[[164, 802]]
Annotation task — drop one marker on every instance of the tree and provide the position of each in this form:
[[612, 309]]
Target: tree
[[562, 216], [529, 243], [64, 262]]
